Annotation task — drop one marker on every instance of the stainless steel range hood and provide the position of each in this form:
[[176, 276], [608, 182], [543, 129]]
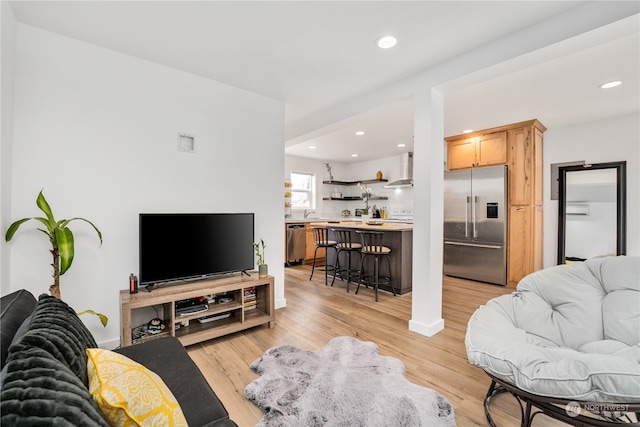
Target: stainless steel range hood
[[407, 173]]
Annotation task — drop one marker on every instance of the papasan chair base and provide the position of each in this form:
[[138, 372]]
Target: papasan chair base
[[579, 414]]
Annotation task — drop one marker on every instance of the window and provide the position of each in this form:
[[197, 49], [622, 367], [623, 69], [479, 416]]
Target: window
[[303, 190]]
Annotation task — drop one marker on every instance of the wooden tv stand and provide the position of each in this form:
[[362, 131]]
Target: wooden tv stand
[[237, 287]]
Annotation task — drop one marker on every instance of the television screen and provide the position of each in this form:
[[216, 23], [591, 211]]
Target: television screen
[[189, 246]]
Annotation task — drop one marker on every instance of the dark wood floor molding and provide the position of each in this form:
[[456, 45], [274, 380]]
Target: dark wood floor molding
[[315, 313]]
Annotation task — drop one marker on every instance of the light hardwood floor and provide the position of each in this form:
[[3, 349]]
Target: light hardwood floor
[[315, 313]]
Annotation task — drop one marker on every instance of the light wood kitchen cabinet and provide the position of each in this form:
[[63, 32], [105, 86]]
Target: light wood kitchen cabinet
[[481, 150], [525, 242], [525, 166], [525, 251], [519, 146], [311, 247]]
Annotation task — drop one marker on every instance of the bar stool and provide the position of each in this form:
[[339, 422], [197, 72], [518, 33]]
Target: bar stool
[[321, 240], [345, 244], [372, 247]]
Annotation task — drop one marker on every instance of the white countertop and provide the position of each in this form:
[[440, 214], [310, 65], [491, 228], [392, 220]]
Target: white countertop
[[377, 224], [356, 219]]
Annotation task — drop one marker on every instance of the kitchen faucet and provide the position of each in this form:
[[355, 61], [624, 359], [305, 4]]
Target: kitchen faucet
[[308, 212]]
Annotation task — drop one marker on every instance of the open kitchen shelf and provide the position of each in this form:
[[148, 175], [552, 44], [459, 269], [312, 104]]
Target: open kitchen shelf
[[363, 181], [355, 198]]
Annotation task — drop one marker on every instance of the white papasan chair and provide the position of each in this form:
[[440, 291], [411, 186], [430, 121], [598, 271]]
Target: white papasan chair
[[566, 343]]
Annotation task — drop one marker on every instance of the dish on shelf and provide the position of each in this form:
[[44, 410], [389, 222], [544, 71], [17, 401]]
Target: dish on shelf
[[224, 300]]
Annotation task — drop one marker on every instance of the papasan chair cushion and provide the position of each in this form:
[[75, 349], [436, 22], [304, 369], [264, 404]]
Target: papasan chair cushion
[[568, 332]]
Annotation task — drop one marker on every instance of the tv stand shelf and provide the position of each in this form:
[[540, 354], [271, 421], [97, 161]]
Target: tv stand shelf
[[241, 289]]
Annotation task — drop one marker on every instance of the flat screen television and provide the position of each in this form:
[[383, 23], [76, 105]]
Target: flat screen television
[[177, 247]]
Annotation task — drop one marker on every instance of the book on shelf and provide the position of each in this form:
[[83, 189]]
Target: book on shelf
[[250, 304]]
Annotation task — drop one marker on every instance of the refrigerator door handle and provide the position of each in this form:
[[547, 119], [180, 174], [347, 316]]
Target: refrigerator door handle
[[466, 217], [475, 245], [475, 217]]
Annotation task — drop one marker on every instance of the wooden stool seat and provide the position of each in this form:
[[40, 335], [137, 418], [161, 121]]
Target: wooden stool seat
[[383, 250]]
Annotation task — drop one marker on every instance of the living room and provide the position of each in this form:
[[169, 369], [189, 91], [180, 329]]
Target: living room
[[96, 130]]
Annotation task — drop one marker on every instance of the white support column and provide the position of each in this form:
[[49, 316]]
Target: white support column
[[428, 176]]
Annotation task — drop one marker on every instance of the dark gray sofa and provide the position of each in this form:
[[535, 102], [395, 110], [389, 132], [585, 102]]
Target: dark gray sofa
[[44, 368]]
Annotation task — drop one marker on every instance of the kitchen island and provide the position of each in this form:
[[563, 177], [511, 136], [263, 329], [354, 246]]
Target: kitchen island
[[397, 236]]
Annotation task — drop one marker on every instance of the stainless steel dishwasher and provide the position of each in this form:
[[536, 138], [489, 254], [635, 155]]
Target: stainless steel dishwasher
[[296, 242]]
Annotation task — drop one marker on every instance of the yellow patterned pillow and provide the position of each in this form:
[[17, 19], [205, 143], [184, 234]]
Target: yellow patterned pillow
[[128, 394]]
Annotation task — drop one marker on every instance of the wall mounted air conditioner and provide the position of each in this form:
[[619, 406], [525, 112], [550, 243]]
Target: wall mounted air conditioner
[[577, 209]]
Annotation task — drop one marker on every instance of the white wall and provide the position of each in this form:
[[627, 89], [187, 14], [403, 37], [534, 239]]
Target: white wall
[[592, 235], [98, 131], [7, 73], [611, 140], [323, 208], [391, 168]]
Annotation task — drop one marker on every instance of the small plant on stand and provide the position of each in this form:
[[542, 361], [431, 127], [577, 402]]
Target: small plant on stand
[[263, 269]]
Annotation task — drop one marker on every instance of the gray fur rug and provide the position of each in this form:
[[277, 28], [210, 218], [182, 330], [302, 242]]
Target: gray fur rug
[[346, 383]]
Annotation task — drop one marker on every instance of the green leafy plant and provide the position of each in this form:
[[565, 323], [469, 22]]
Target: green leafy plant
[[259, 247], [61, 239], [366, 194], [103, 319]]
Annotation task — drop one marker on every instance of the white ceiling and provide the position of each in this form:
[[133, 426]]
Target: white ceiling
[[313, 55]]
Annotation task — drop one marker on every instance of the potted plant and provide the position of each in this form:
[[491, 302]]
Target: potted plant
[[328, 166], [62, 244], [366, 194], [263, 269]]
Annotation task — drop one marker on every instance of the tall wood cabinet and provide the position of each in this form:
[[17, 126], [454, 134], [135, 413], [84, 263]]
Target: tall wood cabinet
[[519, 146]]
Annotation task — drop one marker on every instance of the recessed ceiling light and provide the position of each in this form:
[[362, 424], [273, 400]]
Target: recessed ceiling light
[[467, 131], [609, 85], [354, 155], [385, 42], [360, 132], [402, 145], [312, 147]]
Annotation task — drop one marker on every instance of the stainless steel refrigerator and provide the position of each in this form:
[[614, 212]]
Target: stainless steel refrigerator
[[475, 224]]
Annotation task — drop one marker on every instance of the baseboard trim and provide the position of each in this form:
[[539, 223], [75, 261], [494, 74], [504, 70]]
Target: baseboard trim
[[428, 330]]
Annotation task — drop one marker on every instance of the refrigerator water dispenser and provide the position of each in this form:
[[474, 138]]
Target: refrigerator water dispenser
[[492, 210]]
